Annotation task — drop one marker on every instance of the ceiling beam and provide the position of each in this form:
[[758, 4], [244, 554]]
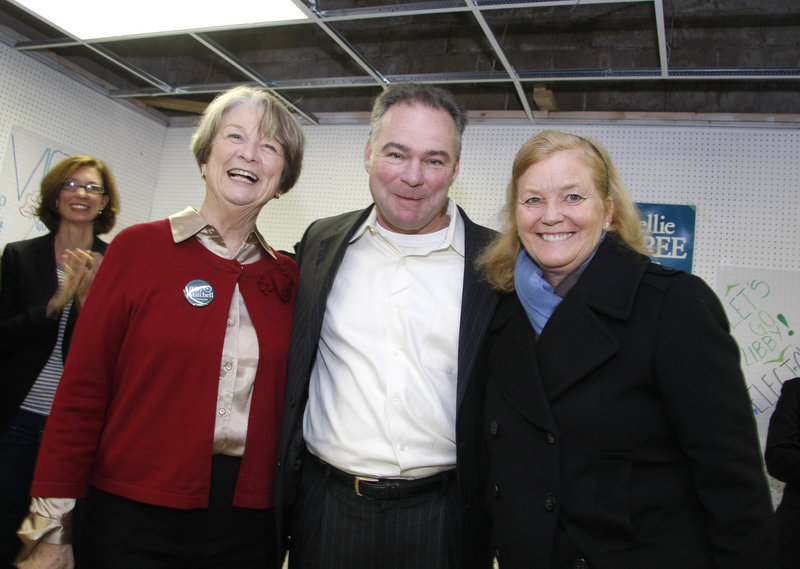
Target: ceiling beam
[[663, 47], [175, 104], [316, 16], [500, 54], [449, 7], [249, 72]]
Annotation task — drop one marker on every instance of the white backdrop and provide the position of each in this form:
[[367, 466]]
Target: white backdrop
[[744, 182]]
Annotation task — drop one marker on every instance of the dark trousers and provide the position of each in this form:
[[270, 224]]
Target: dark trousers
[[788, 520], [332, 527], [19, 446], [124, 534]]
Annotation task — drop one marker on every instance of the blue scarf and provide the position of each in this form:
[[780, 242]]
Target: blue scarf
[[536, 295]]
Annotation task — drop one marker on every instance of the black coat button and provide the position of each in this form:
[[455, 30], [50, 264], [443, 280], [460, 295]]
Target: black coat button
[[550, 438], [494, 427], [549, 502], [579, 563], [496, 491]]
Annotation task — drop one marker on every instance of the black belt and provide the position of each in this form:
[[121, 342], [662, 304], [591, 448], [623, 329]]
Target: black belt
[[386, 488]]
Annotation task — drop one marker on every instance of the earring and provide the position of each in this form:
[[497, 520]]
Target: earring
[[99, 211], [277, 195], [606, 226]]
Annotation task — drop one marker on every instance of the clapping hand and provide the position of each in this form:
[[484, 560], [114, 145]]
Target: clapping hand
[[80, 267]]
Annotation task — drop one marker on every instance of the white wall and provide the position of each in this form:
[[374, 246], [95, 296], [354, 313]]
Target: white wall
[[49, 113], [744, 182]]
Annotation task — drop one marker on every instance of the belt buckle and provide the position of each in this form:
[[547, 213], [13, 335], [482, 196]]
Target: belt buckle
[[358, 480]]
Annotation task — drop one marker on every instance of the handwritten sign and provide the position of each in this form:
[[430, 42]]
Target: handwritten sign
[[28, 158], [763, 307]]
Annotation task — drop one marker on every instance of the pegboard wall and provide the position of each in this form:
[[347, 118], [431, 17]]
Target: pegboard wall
[[63, 117], [743, 182]]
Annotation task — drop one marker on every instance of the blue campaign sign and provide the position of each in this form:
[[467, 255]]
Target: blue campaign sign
[[669, 231]]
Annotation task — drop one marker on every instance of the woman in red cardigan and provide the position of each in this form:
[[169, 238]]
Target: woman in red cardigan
[[170, 403]]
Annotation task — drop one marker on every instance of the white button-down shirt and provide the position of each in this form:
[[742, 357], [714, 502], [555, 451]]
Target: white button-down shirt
[[382, 394]]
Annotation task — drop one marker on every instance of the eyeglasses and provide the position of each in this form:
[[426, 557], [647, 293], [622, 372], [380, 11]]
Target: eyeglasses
[[72, 186]]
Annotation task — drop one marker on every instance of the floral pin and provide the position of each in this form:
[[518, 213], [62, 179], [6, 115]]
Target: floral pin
[[280, 281]]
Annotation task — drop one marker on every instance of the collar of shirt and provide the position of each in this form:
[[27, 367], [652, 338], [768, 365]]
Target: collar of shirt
[[453, 237], [189, 222]]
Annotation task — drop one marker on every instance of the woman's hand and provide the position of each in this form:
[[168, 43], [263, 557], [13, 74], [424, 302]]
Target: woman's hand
[[48, 556], [91, 262], [80, 267]]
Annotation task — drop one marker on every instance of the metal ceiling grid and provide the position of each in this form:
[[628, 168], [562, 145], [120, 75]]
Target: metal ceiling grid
[[522, 57]]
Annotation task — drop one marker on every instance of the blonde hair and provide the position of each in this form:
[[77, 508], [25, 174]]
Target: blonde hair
[[499, 260]]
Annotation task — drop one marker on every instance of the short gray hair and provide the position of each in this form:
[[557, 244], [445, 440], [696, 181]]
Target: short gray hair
[[278, 123]]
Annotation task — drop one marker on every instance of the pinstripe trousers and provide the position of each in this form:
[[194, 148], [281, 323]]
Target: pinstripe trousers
[[333, 528]]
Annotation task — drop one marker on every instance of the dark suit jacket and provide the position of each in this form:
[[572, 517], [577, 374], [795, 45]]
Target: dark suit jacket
[[783, 462], [624, 435], [320, 253], [27, 336]]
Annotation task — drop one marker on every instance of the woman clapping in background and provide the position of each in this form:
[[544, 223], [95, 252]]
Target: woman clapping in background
[[43, 287]]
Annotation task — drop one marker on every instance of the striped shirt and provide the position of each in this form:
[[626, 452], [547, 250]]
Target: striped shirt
[[40, 398]]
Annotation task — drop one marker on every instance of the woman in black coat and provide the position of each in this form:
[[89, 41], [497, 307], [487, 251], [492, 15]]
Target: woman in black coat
[[783, 462], [43, 283], [618, 425]]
